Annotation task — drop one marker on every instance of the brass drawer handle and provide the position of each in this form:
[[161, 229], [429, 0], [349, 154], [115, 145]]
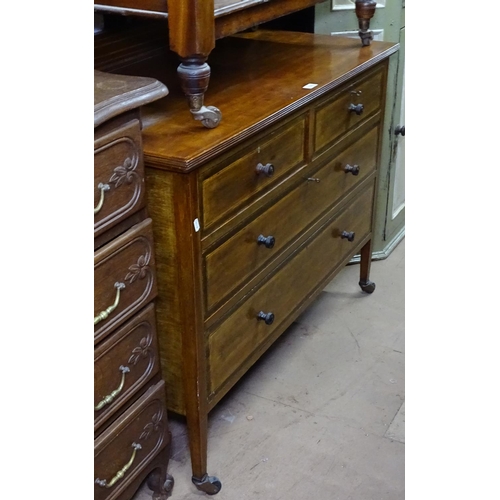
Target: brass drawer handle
[[104, 314], [357, 108], [267, 170], [104, 484], [353, 169], [349, 236], [109, 398], [103, 188], [268, 241], [268, 318]]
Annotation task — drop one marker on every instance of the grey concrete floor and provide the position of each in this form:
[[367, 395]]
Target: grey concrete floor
[[321, 414]]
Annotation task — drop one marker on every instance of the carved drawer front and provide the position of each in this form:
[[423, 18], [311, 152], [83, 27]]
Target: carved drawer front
[[124, 278], [118, 176], [347, 109], [257, 169], [246, 252], [124, 363], [124, 449], [257, 318]]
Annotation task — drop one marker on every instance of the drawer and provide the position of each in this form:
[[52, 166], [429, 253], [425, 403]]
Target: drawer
[[236, 184], [118, 176], [124, 278], [230, 265], [333, 119], [124, 363], [238, 336], [123, 450]]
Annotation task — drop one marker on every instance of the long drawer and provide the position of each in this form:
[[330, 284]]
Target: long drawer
[[124, 363], [238, 336], [124, 278], [123, 450], [230, 265], [118, 176]]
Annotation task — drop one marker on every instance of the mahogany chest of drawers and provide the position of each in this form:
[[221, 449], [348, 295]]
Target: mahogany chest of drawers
[[254, 218], [130, 420]]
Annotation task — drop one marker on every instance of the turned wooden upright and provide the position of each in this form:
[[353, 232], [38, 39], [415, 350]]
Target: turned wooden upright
[[195, 25]]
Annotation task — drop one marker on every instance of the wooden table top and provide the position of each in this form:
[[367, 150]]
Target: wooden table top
[[257, 78]]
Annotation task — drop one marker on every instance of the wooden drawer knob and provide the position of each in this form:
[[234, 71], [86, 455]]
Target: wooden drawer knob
[[357, 108], [268, 318], [268, 241], [267, 170], [349, 236], [353, 169]]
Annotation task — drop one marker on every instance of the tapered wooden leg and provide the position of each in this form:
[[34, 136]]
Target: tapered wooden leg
[[365, 9], [365, 264], [193, 340]]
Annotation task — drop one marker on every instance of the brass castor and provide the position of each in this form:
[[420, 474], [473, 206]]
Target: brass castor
[[208, 484], [367, 286], [210, 116]]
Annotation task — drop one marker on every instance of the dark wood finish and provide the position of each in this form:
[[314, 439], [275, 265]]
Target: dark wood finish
[[132, 440], [129, 261], [140, 434], [124, 363], [209, 206], [193, 27]]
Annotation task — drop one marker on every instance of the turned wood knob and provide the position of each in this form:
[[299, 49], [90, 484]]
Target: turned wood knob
[[268, 318], [400, 129], [353, 169], [349, 236], [268, 241], [357, 108], [267, 170]]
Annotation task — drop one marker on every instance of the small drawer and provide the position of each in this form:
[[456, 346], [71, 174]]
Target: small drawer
[[124, 278], [239, 335], [126, 448], [118, 176], [246, 252], [334, 118], [124, 363], [257, 169]]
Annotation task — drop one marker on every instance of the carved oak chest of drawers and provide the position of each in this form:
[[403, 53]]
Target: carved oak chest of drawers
[[130, 420], [255, 217]]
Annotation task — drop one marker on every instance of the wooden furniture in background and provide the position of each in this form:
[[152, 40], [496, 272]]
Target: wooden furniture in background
[[253, 219], [195, 25], [132, 440]]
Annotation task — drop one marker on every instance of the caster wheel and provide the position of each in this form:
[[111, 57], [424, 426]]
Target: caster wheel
[[168, 485], [208, 484], [368, 286], [212, 119]]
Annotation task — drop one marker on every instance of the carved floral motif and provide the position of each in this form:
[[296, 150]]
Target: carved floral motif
[[139, 270], [143, 350], [124, 173], [153, 426]]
